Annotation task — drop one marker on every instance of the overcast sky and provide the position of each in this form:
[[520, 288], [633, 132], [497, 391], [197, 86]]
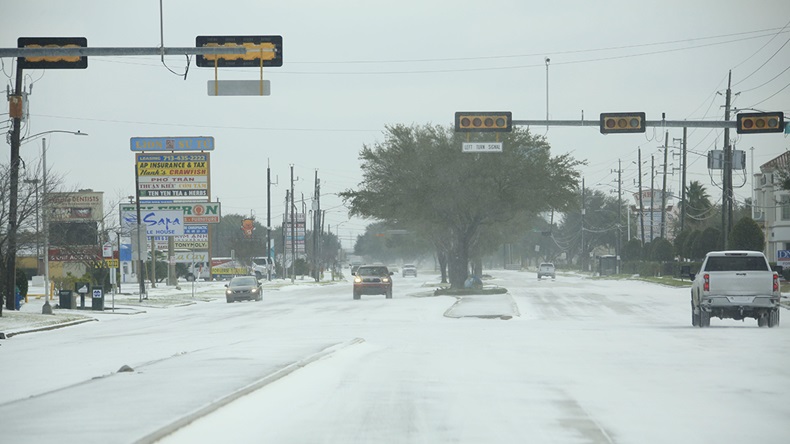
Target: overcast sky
[[352, 67]]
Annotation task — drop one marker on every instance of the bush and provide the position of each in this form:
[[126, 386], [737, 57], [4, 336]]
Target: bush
[[21, 281]]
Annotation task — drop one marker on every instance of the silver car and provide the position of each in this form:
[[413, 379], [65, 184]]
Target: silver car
[[243, 287]]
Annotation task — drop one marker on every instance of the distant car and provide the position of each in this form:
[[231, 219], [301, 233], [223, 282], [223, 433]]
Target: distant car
[[546, 269], [243, 287], [393, 268], [409, 270], [372, 279]]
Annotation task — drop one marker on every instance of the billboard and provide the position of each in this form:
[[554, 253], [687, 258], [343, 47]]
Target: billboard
[[194, 212], [79, 206], [172, 175]]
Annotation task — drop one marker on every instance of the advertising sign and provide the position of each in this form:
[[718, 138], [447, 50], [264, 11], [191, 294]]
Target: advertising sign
[[173, 175], [194, 212], [172, 143], [79, 206]]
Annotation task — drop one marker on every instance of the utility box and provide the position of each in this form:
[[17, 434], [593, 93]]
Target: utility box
[[97, 301]]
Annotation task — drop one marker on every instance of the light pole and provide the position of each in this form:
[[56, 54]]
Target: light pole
[[47, 308]]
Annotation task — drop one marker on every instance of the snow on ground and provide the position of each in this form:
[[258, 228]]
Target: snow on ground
[[580, 361]]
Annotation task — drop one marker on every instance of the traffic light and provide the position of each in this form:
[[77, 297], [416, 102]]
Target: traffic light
[[622, 123], [53, 62], [272, 54], [481, 121], [761, 123]]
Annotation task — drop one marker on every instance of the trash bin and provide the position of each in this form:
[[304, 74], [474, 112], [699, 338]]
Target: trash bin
[[66, 299], [97, 301]]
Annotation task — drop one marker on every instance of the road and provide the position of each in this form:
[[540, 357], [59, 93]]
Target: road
[[584, 361]]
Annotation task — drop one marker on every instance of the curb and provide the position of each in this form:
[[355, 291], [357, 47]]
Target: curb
[[214, 406], [6, 335]]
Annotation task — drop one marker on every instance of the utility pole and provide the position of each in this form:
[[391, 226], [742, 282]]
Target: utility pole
[[293, 228], [582, 255], [618, 244], [10, 265], [641, 203], [652, 192], [726, 200], [664, 188], [270, 261], [683, 184], [316, 226]]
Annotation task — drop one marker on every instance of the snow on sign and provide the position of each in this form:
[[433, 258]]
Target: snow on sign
[[163, 222], [484, 147]]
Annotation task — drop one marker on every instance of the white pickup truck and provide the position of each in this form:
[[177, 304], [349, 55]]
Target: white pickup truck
[[735, 285]]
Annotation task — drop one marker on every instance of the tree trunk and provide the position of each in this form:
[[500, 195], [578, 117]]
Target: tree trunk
[[458, 262], [441, 255]]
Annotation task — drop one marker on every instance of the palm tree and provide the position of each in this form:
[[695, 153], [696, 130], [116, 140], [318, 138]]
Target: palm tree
[[699, 207]]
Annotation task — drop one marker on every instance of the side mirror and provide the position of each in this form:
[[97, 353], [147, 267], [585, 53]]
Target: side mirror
[[692, 276], [392, 273], [226, 285]]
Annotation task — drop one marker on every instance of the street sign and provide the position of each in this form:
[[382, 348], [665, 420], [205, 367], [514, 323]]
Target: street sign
[[484, 147], [262, 50], [172, 143], [238, 88]]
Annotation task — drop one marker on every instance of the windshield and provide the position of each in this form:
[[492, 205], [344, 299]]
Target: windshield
[[243, 281], [372, 271]]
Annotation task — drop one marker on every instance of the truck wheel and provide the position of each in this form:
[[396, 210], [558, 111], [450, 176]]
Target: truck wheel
[[773, 318], [694, 317], [388, 295], [763, 319], [356, 295], [704, 319]]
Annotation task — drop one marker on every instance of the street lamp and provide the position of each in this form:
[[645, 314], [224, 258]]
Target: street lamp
[[47, 309]]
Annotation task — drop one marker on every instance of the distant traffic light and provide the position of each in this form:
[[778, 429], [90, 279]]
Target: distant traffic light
[[53, 62], [482, 121], [761, 122], [622, 123]]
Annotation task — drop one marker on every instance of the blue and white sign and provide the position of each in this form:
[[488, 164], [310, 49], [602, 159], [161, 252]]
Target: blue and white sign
[[163, 222], [172, 143], [783, 255]]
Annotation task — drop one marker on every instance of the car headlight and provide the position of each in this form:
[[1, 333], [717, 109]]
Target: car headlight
[[254, 290], [228, 292], [357, 279], [385, 280]]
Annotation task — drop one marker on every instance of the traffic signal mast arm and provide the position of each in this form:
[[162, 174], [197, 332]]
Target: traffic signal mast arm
[[651, 123], [91, 51]]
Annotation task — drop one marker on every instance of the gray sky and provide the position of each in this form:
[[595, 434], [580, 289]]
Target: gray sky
[[352, 67]]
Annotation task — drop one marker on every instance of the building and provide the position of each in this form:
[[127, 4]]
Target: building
[[772, 205]]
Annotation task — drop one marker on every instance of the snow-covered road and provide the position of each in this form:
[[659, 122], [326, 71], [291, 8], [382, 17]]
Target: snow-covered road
[[585, 361]]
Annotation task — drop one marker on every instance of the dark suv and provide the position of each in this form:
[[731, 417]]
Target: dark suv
[[372, 279]]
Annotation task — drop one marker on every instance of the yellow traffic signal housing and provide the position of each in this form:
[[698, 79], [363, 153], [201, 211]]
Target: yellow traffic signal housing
[[53, 62], [483, 121], [761, 122], [622, 123], [262, 50]]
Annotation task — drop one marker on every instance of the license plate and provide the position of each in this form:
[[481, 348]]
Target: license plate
[[741, 299]]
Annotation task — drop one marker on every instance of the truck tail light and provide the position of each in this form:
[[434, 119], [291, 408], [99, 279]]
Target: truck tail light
[[776, 283], [706, 285]]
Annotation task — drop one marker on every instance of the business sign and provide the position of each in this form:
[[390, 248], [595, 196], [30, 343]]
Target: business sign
[[75, 254], [187, 257], [783, 258], [194, 212], [163, 222], [80, 206], [195, 237], [172, 143], [173, 175], [484, 147]]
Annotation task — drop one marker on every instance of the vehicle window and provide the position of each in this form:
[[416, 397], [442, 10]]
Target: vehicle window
[[739, 263], [244, 281], [372, 271]]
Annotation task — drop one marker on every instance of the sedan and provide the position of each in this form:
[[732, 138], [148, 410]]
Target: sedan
[[243, 287]]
